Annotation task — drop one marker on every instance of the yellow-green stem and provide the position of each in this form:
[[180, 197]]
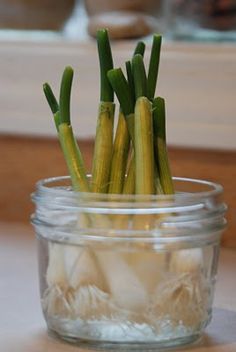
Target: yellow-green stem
[[143, 146], [73, 158], [161, 155], [164, 167], [158, 186], [103, 148], [119, 156], [129, 184], [130, 124]]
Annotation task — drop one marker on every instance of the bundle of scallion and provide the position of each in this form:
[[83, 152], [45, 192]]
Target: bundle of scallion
[[139, 147], [135, 161]]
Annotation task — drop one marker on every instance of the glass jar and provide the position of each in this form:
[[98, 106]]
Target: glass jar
[[133, 272]]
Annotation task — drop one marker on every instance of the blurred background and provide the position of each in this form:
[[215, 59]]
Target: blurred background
[[38, 38], [204, 20]]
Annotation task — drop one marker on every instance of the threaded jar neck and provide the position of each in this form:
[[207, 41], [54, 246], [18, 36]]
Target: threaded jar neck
[[196, 209]]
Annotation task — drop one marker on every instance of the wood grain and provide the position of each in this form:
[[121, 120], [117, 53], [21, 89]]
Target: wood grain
[[25, 160]]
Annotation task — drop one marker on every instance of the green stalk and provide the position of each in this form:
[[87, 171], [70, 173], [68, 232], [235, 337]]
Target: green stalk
[[157, 181], [73, 160], [130, 79], [161, 153], [57, 120], [65, 94], [119, 156], [51, 99], [153, 66], [104, 133], [122, 90], [144, 154], [103, 148], [53, 104], [139, 74], [69, 145], [124, 96], [129, 184], [106, 64], [140, 88], [140, 48]]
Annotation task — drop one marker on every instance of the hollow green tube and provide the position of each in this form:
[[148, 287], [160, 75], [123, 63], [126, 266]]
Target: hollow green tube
[[73, 158], [103, 148], [144, 153], [161, 153], [119, 156]]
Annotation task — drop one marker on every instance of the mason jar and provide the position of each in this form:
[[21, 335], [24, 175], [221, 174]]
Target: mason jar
[[128, 272]]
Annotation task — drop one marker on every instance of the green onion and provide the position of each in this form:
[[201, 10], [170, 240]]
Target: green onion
[[68, 143], [140, 48], [139, 147], [106, 64], [154, 66], [129, 184], [51, 99], [73, 160], [130, 79], [124, 96], [160, 145], [139, 74], [57, 120], [157, 181], [52, 102], [104, 133], [144, 154], [119, 156], [65, 94], [122, 90], [103, 148]]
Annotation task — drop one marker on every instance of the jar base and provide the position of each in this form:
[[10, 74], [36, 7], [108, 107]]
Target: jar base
[[100, 345]]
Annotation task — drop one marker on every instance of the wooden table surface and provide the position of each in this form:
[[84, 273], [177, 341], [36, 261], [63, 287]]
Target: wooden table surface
[[22, 328]]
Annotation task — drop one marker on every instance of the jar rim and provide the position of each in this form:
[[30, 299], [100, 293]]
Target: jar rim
[[200, 212], [214, 189]]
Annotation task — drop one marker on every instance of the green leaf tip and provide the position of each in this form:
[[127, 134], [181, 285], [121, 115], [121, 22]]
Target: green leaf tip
[[65, 94], [139, 74], [154, 65], [52, 101], [159, 117], [106, 64], [140, 48], [122, 90], [130, 78]]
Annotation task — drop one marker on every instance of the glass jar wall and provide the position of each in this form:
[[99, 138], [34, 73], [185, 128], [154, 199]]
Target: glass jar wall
[[128, 271]]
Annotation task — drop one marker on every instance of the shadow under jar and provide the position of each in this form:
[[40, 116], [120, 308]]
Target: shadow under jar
[[134, 272]]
